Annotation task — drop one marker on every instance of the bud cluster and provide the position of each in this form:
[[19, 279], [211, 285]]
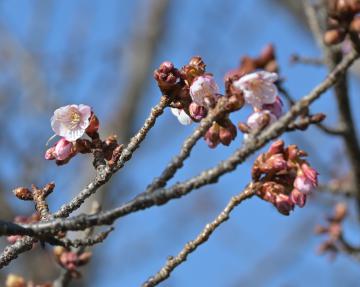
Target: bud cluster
[[285, 179], [194, 93], [342, 19], [333, 230]]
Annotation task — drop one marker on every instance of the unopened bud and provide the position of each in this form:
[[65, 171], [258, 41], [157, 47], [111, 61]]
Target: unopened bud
[[212, 136], [198, 63], [244, 128], [197, 112], [93, 125], [317, 118], [340, 211], [23, 193], [298, 197], [50, 153], [334, 36], [48, 188], [84, 258], [58, 250], [13, 280], [276, 147]]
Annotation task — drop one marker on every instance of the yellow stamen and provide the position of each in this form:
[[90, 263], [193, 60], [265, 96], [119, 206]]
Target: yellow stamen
[[74, 119]]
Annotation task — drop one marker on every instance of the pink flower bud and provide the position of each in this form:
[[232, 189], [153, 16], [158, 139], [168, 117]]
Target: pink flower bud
[[275, 108], [284, 204], [310, 173], [277, 162], [276, 147], [335, 231], [93, 125], [293, 152], [212, 136], [204, 90], [303, 184], [166, 76], [63, 149], [69, 260], [298, 197], [13, 238], [227, 134], [50, 153], [197, 112], [261, 119], [269, 196]]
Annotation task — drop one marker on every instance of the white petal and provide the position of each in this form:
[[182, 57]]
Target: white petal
[[73, 135], [268, 76], [175, 112], [85, 112], [184, 119], [244, 79], [269, 93]]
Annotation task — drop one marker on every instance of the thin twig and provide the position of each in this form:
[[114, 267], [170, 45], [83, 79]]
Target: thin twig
[[336, 189], [331, 130], [298, 59], [88, 240], [191, 246], [11, 252], [178, 161], [333, 56], [348, 248]]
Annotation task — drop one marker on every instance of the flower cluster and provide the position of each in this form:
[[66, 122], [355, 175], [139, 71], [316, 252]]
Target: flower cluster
[[335, 241], [285, 179], [71, 123], [255, 78], [194, 92], [70, 260], [262, 94], [342, 19]]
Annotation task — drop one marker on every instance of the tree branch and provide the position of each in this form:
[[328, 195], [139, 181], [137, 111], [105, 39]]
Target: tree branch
[[212, 175], [192, 245], [104, 176]]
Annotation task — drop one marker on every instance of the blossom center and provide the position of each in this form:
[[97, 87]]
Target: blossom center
[[254, 85], [75, 119]]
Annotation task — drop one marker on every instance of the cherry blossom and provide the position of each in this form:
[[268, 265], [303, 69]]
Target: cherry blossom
[[71, 121], [203, 89], [258, 88]]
